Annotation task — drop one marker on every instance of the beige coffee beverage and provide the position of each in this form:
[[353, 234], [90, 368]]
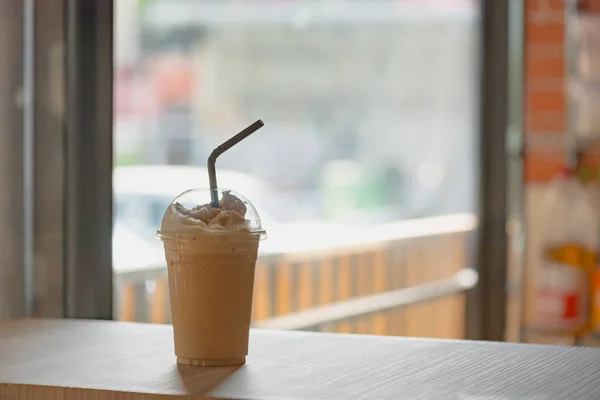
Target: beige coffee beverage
[[211, 255]]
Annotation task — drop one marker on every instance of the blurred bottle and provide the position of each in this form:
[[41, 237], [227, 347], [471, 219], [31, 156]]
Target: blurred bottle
[[584, 90], [594, 326], [587, 35], [562, 290]]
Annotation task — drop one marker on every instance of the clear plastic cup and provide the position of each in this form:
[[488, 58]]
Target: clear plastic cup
[[211, 256]]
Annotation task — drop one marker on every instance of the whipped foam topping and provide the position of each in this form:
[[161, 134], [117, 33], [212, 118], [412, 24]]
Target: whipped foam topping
[[230, 215]]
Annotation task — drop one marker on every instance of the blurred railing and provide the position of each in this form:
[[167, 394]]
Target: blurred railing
[[407, 279], [316, 318]]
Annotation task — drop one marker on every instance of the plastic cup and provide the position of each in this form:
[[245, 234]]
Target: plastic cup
[[211, 257]]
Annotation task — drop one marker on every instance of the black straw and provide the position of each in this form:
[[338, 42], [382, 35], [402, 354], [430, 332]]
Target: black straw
[[212, 159]]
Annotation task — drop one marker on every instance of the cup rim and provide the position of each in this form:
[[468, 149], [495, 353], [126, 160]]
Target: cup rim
[[186, 237]]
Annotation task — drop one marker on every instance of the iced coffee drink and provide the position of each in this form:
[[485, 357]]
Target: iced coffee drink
[[211, 255]]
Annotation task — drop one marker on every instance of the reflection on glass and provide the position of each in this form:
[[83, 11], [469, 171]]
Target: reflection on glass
[[370, 120]]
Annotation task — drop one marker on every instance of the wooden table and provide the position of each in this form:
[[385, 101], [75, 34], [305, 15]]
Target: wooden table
[[71, 360]]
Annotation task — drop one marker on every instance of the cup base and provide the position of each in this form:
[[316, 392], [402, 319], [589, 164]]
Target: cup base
[[226, 362]]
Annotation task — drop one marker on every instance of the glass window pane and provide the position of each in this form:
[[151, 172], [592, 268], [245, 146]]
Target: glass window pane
[[364, 175]]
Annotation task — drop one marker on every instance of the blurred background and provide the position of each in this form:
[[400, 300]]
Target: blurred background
[[403, 174], [347, 91], [371, 119]]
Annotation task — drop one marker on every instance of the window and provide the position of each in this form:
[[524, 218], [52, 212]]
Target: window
[[370, 110], [368, 156]]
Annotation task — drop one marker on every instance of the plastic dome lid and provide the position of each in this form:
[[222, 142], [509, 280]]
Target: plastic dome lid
[[191, 214]]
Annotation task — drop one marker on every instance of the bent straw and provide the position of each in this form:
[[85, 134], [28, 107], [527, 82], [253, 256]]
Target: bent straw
[[212, 159]]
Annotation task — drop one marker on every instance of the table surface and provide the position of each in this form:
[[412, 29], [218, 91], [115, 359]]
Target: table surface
[[77, 359]]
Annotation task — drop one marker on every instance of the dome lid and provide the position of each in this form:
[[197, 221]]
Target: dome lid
[[191, 214]]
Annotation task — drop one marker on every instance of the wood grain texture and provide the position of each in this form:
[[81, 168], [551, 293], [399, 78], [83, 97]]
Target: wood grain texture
[[99, 360], [96, 360]]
